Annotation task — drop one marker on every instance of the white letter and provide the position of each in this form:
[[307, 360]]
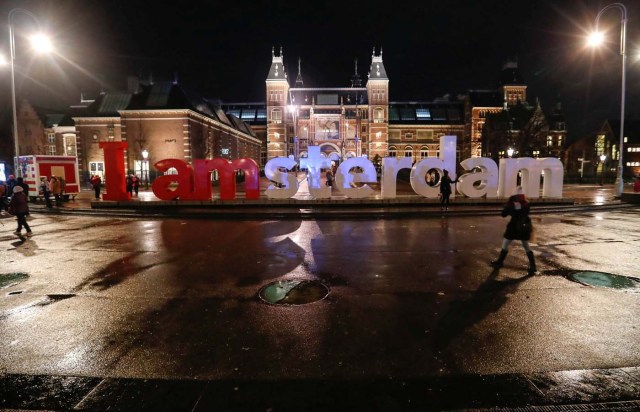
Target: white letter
[[419, 172], [345, 178], [289, 181], [390, 168], [314, 164], [530, 181], [553, 176], [447, 161], [487, 178]]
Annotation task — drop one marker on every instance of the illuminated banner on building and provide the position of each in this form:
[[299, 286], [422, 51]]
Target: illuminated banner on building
[[484, 179]]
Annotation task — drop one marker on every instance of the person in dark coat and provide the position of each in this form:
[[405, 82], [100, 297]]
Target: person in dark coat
[[11, 182], [96, 183], [20, 182], [518, 228], [45, 189], [445, 189], [19, 207]]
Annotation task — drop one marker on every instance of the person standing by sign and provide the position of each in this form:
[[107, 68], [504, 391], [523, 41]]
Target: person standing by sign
[[45, 189], [56, 190], [445, 189], [96, 183], [19, 207], [518, 228]]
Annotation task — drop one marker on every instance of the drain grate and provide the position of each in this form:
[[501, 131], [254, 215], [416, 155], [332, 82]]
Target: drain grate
[[10, 279], [293, 292], [603, 279]]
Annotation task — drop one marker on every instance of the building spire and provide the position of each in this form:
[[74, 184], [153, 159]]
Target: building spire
[[299, 82], [355, 80]]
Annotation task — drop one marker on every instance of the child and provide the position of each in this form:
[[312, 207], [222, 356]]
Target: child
[[19, 207]]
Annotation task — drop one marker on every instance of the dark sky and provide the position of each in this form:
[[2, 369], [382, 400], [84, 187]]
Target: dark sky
[[430, 48]]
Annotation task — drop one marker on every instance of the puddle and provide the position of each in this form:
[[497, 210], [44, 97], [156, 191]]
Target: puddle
[[10, 279], [602, 279], [293, 292]]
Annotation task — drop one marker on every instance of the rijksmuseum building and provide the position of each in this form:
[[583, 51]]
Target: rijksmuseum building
[[162, 120]]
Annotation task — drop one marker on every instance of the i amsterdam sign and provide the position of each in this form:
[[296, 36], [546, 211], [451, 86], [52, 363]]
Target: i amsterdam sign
[[484, 177]]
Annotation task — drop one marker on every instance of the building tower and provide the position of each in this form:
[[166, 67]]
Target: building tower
[[378, 93], [277, 100], [511, 84]]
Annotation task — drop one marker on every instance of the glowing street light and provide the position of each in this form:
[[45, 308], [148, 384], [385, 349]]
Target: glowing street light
[[39, 42], [596, 39], [145, 167], [510, 152]]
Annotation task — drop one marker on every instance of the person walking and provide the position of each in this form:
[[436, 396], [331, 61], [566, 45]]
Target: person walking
[[25, 187], [20, 208], [45, 189], [96, 183], [518, 228], [135, 183], [129, 185], [445, 189]]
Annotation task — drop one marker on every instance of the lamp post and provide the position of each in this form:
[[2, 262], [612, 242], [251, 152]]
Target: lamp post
[[40, 42], [602, 159], [595, 39], [510, 152], [145, 167], [294, 112]]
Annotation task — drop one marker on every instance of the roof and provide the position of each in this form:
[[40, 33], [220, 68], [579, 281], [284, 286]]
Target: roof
[[377, 70], [330, 96], [155, 96], [631, 129], [276, 71], [426, 113], [251, 113], [511, 75]]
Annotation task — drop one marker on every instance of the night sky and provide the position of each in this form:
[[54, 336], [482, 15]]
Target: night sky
[[430, 48]]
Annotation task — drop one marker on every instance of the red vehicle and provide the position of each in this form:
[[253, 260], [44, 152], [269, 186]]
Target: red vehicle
[[65, 167]]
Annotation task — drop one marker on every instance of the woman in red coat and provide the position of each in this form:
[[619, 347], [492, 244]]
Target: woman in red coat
[[518, 228], [19, 207]]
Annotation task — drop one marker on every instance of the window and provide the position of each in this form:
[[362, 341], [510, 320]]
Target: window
[[363, 129], [393, 152], [423, 114], [235, 112], [379, 135], [408, 136], [378, 115], [408, 152], [262, 114], [52, 150], [549, 141], [51, 137], [424, 152], [276, 116]]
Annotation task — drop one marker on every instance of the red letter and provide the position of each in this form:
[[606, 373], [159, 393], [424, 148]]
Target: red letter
[[115, 185], [251, 177], [184, 179]]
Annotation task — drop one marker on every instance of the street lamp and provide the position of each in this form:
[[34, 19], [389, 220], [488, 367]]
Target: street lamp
[[294, 112], [145, 167], [39, 42], [602, 159], [510, 152], [597, 38]]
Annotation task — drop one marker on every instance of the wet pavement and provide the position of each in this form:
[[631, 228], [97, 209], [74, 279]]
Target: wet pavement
[[149, 313]]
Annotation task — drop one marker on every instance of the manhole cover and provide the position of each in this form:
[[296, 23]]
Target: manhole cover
[[10, 279], [293, 292], [607, 280]]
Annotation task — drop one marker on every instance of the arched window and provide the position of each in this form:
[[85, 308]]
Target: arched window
[[408, 152], [378, 116], [276, 116], [393, 152], [424, 152]]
